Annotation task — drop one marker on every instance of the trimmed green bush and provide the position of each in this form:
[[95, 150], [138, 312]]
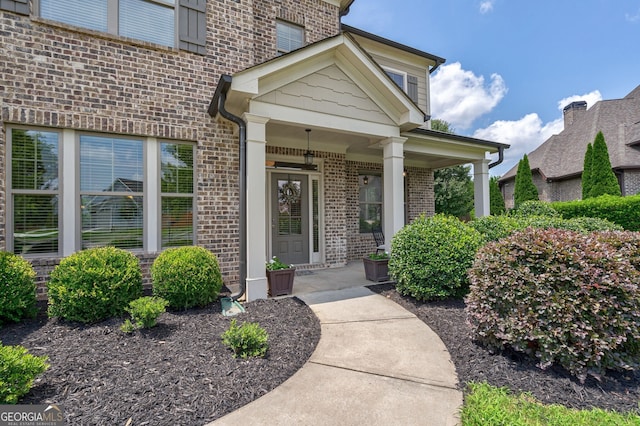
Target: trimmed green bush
[[534, 208], [18, 369], [430, 257], [248, 340], [186, 277], [493, 228], [561, 297], [17, 288], [144, 312], [624, 211], [94, 284]]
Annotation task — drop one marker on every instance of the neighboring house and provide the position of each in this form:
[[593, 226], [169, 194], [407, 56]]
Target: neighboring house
[[557, 164], [115, 117]]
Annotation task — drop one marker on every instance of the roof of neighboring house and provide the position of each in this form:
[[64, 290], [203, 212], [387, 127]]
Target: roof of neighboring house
[[562, 155]]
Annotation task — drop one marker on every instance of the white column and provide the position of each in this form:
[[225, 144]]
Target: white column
[[256, 207], [481, 187], [70, 197], [152, 204], [393, 206]]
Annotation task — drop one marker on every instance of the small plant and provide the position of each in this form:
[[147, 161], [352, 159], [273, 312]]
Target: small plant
[[17, 288], [248, 340], [94, 284], [144, 312], [186, 277], [18, 369], [430, 257], [276, 264], [378, 256]]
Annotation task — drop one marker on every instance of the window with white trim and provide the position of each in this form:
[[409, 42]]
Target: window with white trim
[[288, 37], [172, 23], [398, 77], [113, 203]]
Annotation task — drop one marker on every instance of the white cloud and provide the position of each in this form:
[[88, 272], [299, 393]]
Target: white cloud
[[633, 18], [460, 97], [591, 98], [486, 6]]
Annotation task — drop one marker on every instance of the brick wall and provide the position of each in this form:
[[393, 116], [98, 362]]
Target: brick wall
[[55, 75], [631, 182]]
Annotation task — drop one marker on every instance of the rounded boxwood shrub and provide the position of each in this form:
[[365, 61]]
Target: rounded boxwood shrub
[[186, 277], [17, 288], [94, 284], [430, 257], [18, 368], [534, 208], [493, 228], [561, 297]]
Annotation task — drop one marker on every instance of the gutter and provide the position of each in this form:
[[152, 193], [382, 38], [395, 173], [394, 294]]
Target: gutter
[[216, 106], [500, 157]]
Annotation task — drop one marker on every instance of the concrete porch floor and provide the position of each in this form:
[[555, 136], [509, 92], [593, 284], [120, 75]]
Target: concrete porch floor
[[314, 280]]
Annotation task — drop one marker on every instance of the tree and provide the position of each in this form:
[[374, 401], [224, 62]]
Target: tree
[[587, 182], [525, 190], [452, 185], [603, 180], [496, 200]]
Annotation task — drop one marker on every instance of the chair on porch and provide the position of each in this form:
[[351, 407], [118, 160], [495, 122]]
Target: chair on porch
[[379, 237]]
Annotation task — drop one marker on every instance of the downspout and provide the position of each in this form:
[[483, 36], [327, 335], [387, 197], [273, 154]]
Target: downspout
[[500, 157], [216, 106]]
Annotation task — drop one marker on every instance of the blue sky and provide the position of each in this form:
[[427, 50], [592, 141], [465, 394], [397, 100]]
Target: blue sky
[[513, 65]]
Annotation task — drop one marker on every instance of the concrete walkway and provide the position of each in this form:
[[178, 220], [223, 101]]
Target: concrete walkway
[[376, 364]]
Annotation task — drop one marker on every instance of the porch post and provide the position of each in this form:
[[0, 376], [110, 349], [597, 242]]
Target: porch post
[[481, 188], [256, 207], [393, 207]]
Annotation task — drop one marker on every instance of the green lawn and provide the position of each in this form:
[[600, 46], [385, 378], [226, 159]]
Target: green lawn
[[490, 406]]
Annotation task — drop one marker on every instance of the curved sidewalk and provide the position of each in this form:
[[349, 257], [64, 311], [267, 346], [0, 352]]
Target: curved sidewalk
[[376, 364]]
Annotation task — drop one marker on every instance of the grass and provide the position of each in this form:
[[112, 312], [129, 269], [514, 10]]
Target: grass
[[490, 406]]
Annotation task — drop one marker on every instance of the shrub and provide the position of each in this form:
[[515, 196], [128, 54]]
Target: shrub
[[247, 340], [624, 211], [591, 224], [144, 312], [493, 228], [559, 296], [18, 368], [94, 284], [534, 208], [17, 288], [430, 257], [186, 277], [627, 243]]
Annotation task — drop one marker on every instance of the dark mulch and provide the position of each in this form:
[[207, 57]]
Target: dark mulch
[[619, 392], [177, 373]]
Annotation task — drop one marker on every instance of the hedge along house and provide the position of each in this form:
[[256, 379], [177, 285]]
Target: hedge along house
[[108, 136]]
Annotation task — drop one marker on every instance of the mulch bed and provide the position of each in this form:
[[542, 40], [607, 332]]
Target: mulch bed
[[616, 391], [177, 373]]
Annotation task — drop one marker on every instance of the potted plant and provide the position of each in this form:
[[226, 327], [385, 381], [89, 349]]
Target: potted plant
[[376, 266], [280, 277]]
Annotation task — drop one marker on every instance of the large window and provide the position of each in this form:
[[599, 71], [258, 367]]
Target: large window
[[155, 21], [127, 192], [289, 37], [176, 176], [370, 202], [34, 191]]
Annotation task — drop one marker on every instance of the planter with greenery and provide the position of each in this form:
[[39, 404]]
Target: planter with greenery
[[376, 267], [280, 277]]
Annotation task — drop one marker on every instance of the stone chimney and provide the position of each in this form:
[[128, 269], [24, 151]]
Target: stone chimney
[[573, 112]]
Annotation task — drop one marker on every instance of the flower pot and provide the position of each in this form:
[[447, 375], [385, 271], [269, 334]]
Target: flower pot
[[280, 281], [376, 270]]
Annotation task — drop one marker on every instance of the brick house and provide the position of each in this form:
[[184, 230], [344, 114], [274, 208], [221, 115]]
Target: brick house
[[557, 164], [139, 124]]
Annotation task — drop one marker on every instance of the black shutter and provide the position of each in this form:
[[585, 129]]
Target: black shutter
[[17, 6], [192, 25], [412, 88]]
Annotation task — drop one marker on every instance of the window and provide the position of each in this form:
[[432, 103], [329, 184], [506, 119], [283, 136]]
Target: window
[[129, 192], [34, 191], [398, 77], [289, 37], [176, 174], [148, 20], [408, 83], [370, 202], [111, 192]]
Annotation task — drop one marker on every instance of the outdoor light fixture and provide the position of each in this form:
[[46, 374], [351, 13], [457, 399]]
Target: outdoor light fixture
[[308, 156], [365, 180]]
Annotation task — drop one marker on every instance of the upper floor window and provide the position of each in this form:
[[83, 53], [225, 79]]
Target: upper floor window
[[408, 83], [398, 77], [289, 37], [155, 21]]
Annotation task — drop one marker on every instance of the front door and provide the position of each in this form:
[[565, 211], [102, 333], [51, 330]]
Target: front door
[[290, 217]]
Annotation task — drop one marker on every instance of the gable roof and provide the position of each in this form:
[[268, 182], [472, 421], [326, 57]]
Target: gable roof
[[562, 155]]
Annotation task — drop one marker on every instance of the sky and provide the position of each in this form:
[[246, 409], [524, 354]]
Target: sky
[[512, 65]]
